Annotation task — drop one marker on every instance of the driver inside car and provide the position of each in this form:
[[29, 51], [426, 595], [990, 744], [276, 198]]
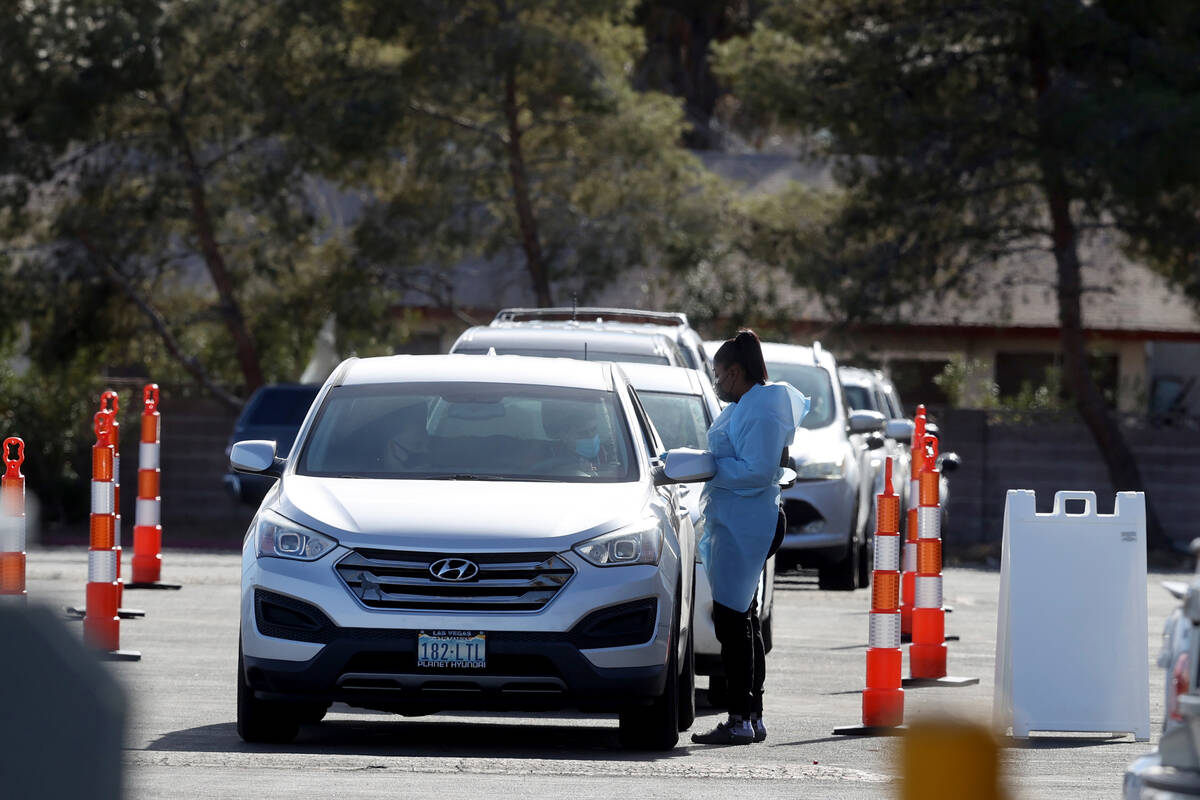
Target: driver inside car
[[574, 430], [407, 448]]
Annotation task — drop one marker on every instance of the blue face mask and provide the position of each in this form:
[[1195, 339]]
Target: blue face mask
[[588, 448]]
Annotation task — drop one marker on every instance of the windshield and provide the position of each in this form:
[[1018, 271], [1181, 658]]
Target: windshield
[[814, 383], [592, 354], [680, 419], [469, 431]]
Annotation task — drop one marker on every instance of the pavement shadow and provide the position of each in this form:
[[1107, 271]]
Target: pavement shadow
[[822, 740], [1066, 742], [395, 736]]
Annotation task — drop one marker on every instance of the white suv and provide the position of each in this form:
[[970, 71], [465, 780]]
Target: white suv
[[467, 532], [673, 324]]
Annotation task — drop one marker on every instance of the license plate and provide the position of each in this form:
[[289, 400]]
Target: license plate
[[452, 649]]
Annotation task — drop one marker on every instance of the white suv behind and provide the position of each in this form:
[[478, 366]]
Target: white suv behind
[[470, 532]]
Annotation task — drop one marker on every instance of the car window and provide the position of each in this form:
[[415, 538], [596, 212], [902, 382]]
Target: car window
[[815, 384], [680, 419], [881, 404], [860, 398], [283, 406], [457, 429], [894, 402], [653, 443], [592, 354]]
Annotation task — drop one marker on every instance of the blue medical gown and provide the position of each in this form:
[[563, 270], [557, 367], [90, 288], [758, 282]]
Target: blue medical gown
[[740, 505]]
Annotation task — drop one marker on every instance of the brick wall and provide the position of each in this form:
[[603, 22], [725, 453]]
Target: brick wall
[[197, 510]]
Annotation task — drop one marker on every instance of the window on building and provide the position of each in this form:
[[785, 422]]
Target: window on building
[[913, 379], [1019, 371]]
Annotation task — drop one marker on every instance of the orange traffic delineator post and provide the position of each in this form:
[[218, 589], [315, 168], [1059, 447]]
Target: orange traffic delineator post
[[110, 403], [927, 653], [916, 464], [147, 523], [114, 427], [12, 522], [883, 699], [101, 625]]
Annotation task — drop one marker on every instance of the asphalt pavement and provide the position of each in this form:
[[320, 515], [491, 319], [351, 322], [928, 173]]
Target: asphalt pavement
[[182, 742]]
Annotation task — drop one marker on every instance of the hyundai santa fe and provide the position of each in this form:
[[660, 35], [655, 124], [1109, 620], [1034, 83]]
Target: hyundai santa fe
[[467, 532]]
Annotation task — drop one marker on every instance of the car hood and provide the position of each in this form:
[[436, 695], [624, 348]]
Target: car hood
[[464, 515], [817, 444]]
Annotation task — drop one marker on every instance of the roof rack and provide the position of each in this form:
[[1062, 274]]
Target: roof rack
[[592, 314]]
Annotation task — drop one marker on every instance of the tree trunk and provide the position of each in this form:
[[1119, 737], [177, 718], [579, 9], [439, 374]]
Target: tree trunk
[[235, 322], [1118, 457], [535, 261]]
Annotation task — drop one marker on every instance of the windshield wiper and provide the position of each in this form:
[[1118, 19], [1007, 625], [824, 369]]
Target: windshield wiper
[[470, 476]]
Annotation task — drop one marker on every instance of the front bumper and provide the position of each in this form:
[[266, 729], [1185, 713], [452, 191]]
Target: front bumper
[[820, 514], [1147, 779], [552, 658], [371, 668]]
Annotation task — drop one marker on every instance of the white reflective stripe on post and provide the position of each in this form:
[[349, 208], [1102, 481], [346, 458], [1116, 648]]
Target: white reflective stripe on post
[[146, 513], [102, 497], [884, 629], [910, 556], [914, 493], [929, 522], [102, 566], [116, 468], [12, 534], [887, 553], [928, 592], [148, 455]]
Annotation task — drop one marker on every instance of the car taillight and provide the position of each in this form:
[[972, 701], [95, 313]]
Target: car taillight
[[1179, 685]]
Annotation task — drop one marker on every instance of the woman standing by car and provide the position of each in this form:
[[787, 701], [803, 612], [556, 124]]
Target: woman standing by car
[[740, 506]]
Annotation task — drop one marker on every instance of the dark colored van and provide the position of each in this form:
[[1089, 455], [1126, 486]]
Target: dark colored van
[[273, 412]]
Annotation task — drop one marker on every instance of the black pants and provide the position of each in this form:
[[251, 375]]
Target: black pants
[[743, 655]]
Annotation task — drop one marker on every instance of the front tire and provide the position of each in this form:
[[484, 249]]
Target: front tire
[[687, 687], [656, 726], [842, 575], [261, 720], [864, 565]]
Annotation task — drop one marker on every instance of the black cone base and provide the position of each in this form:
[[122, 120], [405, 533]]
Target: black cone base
[[120, 655], [870, 730], [130, 613], [950, 681], [153, 586]]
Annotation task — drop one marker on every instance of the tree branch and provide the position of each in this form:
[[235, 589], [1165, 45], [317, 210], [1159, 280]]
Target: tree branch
[[190, 363]]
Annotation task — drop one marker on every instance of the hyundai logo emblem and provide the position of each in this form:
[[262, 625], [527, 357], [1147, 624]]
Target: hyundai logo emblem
[[453, 569]]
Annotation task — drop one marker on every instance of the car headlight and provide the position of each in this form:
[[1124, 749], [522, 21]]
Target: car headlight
[[821, 470], [636, 544], [278, 537]]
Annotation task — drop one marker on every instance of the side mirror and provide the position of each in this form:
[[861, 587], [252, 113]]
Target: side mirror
[[948, 462], [875, 441], [865, 422], [256, 456], [685, 465], [899, 429]]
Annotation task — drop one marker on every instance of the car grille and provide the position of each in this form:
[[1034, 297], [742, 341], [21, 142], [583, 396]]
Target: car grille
[[402, 580]]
